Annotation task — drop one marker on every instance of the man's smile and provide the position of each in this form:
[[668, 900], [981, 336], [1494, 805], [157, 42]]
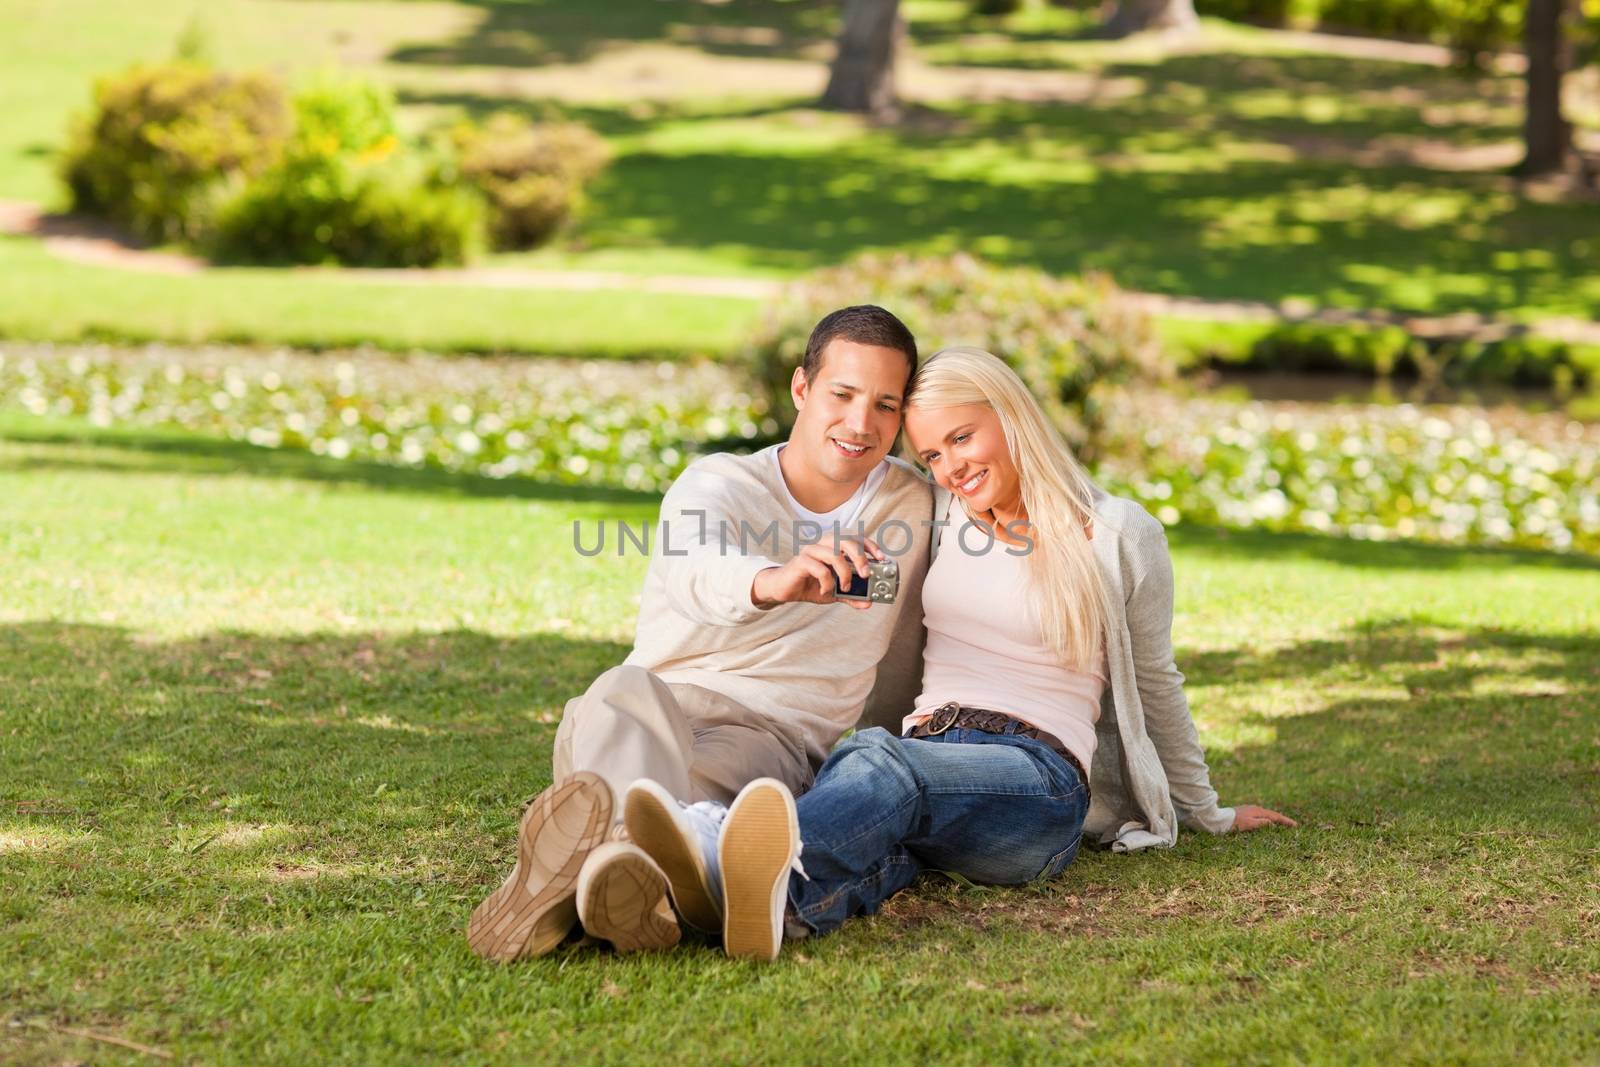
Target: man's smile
[[850, 448]]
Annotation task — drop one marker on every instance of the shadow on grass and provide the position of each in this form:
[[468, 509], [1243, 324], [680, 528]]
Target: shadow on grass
[[177, 452], [344, 734], [1151, 190], [1415, 655], [312, 819], [1267, 546], [1166, 188], [1391, 92], [1421, 722], [256, 703], [528, 34], [302, 727], [1150, 230]]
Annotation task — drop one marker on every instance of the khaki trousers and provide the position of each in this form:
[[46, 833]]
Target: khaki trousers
[[698, 744]]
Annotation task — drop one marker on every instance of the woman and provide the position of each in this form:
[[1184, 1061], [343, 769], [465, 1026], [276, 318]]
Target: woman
[[1049, 611]]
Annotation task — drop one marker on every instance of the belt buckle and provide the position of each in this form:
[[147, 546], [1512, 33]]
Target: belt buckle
[[943, 719]]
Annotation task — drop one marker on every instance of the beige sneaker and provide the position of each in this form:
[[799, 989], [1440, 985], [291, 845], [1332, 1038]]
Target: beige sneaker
[[533, 911], [682, 839], [760, 845], [622, 898]]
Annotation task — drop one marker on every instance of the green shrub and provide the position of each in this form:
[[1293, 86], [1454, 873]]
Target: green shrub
[[1072, 340], [1476, 29], [1382, 351], [1472, 28], [996, 7], [1524, 361], [1261, 12], [533, 174], [342, 210], [347, 190], [164, 143], [333, 115], [1372, 350]]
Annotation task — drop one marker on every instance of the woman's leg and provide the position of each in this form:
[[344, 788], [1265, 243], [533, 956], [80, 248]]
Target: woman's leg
[[1006, 810], [852, 821], [883, 808]]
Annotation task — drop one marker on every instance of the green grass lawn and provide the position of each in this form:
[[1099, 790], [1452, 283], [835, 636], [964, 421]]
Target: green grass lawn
[[1241, 170], [267, 720]]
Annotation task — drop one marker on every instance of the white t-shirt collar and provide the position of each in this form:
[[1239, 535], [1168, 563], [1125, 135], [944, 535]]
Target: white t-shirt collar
[[845, 514]]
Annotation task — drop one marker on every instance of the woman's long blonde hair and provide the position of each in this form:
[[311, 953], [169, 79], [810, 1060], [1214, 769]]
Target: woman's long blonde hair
[[1067, 596]]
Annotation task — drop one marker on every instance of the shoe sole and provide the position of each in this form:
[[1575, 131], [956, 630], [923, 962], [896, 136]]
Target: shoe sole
[[759, 839], [618, 897], [536, 907], [654, 827]]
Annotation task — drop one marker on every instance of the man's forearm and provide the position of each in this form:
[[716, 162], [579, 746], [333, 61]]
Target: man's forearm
[[762, 595]]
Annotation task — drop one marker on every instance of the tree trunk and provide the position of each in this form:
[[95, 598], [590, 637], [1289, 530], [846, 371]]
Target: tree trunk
[[1136, 16], [1545, 130], [862, 78]]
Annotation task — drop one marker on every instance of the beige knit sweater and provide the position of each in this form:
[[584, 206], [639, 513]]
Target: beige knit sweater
[[814, 669]]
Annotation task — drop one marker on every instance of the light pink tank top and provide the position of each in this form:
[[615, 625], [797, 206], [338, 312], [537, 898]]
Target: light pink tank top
[[984, 649]]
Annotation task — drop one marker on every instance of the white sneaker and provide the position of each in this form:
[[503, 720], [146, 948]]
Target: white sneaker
[[682, 839], [760, 846]]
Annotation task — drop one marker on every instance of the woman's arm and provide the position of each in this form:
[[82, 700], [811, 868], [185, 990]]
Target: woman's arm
[[1167, 719]]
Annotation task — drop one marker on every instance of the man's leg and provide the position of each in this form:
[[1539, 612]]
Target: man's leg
[[627, 725], [697, 744], [733, 746]]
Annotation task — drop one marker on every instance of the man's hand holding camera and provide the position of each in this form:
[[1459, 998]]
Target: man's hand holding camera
[[816, 575]]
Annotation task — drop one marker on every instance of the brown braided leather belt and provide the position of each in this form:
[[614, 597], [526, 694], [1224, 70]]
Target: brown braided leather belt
[[953, 716]]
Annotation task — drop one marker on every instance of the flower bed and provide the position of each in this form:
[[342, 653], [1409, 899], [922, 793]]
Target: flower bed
[[1446, 474], [622, 424]]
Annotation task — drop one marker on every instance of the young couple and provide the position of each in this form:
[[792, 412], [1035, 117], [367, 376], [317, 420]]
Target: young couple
[[1027, 655]]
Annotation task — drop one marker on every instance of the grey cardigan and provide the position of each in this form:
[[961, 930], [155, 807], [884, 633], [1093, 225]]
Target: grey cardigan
[[1149, 771]]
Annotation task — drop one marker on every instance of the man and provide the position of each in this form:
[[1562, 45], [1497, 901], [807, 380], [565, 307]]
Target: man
[[745, 665]]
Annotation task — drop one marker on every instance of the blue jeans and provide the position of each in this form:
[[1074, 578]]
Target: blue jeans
[[993, 808]]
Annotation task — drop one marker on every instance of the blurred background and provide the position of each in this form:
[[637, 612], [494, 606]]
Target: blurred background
[[1318, 265]]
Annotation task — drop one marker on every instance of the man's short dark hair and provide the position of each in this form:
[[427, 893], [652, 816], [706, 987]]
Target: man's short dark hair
[[864, 324]]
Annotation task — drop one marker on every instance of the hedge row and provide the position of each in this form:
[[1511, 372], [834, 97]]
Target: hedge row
[[1384, 352], [1076, 339], [1073, 340]]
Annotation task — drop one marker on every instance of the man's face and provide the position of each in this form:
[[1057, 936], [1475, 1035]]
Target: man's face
[[850, 413]]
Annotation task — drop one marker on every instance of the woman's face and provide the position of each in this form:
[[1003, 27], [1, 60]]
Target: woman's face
[[965, 449]]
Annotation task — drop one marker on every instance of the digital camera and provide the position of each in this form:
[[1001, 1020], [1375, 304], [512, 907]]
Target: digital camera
[[880, 586]]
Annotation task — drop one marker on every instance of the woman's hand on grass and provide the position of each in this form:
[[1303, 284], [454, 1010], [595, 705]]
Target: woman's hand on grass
[[1252, 817]]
